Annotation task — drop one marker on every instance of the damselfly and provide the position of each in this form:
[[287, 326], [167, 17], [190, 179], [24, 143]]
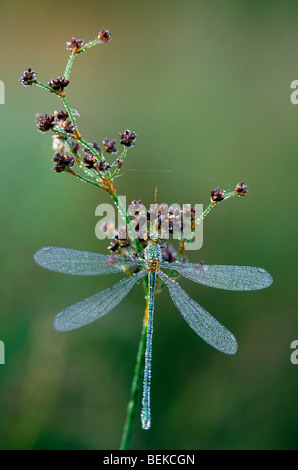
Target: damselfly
[[68, 261]]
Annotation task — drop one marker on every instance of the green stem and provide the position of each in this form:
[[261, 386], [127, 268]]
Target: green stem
[[90, 44], [82, 49], [46, 87], [65, 102], [68, 66], [82, 178], [122, 157], [131, 230], [135, 387], [206, 211]]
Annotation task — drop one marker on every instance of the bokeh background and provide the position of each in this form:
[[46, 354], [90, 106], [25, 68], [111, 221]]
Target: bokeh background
[[206, 86]]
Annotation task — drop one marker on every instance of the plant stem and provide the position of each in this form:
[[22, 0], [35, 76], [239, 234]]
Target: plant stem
[[43, 85], [81, 177], [128, 222], [206, 211], [65, 102], [136, 385], [68, 66]]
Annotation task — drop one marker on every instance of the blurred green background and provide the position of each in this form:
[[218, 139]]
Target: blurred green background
[[206, 86]]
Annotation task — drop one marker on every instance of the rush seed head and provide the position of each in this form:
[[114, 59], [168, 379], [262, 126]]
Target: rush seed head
[[62, 162], [58, 84], [109, 146], [104, 35], [28, 77], [127, 138], [241, 189], [216, 195], [75, 45], [45, 122]]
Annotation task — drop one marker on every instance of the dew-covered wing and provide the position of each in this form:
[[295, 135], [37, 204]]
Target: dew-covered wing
[[226, 277], [68, 261], [95, 307], [206, 326]]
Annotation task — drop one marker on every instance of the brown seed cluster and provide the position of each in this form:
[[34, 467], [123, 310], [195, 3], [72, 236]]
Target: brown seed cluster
[[45, 122], [216, 195], [63, 162], [91, 161], [127, 138], [58, 84], [28, 77], [109, 146], [120, 241], [241, 189], [104, 35], [75, 45], [60, 115], [60, 119]]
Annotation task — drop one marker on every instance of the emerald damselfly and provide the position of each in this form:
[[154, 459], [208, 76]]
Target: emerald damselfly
[[234, 278]]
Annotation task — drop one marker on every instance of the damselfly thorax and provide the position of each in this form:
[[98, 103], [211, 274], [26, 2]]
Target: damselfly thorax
[[153, 256]]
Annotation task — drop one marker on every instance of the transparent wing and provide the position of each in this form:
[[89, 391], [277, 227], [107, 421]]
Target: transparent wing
[[68, 261], [95, 307], [207, 327], [225, 277]]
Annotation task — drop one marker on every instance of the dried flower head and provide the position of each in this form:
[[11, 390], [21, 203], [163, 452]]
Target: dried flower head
[[114, 246], [127, 138], [90, 161], [45, 122], [241, 189], [216, 195], [119, 244], [103, 166], [58, 84], [28, 77], [66, 126], [63, 162], [61, 115], [109, 146], [75, 45], [104, 35]]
